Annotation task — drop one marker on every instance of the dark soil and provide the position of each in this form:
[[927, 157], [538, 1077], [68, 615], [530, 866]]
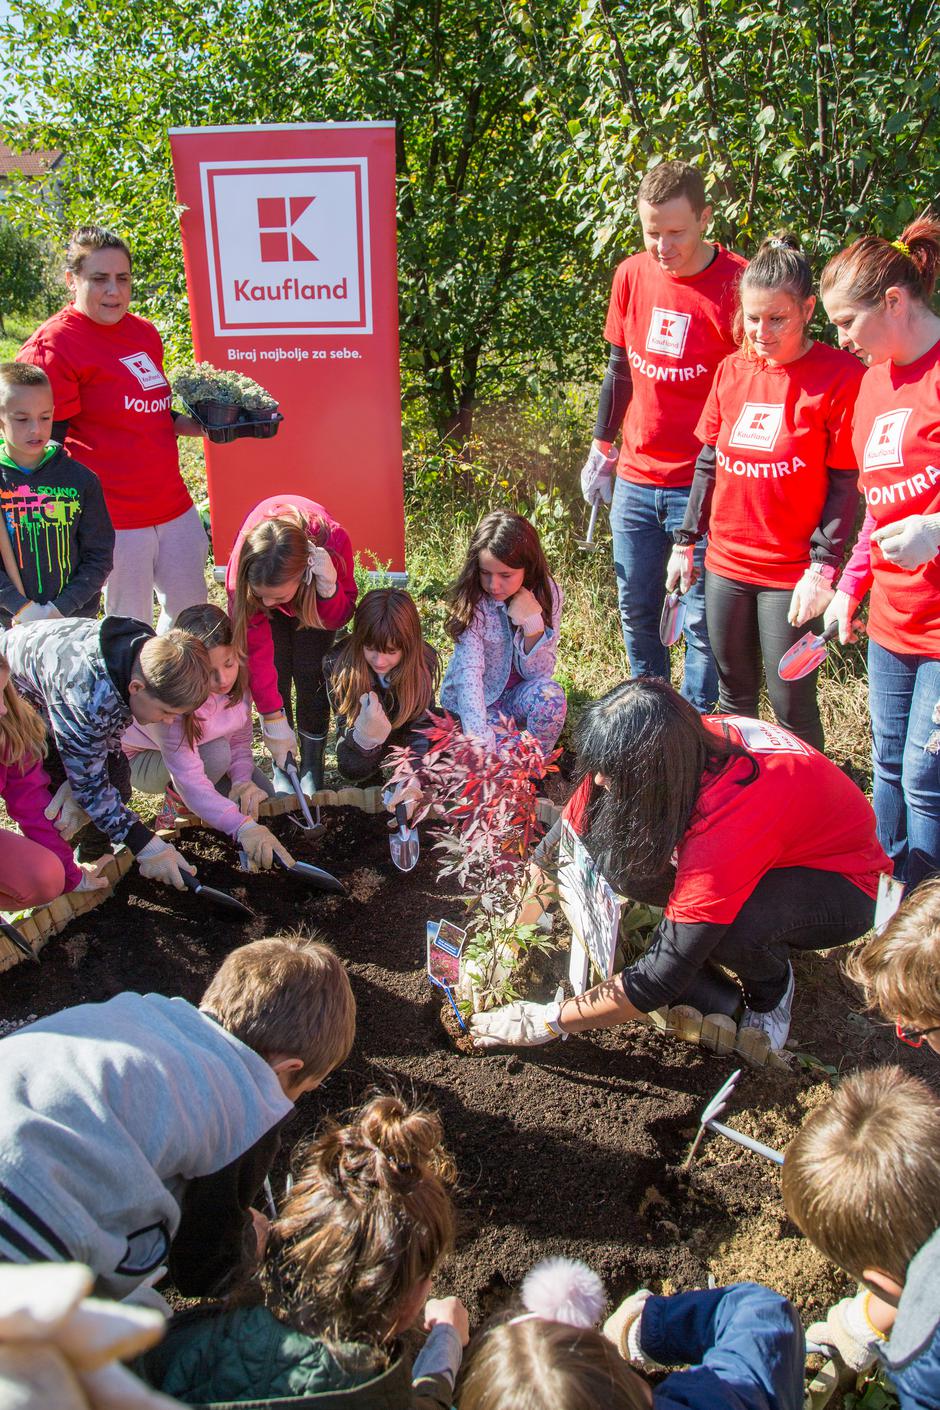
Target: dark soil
[[572, 1148]]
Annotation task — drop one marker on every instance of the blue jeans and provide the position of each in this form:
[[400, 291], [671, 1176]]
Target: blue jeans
[[903, 693], [642, 521]]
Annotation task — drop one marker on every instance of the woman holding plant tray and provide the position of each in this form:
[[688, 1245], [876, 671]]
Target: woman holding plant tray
[[113, 413], [756, 844]]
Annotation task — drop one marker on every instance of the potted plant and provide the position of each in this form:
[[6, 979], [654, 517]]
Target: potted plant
[[486, 801], [226, 403]]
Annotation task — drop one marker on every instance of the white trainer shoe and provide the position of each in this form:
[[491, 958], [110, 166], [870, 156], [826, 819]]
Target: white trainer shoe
[[775, 1023]]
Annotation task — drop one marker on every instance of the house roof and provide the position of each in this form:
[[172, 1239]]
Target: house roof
[[29, 163]]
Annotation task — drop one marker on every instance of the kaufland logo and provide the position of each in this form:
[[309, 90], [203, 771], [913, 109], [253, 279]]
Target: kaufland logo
[[668, 331], [757, 427], [288, 246], [883, 449]]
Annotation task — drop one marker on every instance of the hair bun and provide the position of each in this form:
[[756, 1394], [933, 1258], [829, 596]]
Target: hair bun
[[781, 240], [408, 1137]]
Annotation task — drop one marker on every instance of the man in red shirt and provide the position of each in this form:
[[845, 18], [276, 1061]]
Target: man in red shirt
[[669, 324]]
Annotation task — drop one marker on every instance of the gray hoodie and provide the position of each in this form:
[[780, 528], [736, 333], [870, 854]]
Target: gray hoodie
[[110, 1116]]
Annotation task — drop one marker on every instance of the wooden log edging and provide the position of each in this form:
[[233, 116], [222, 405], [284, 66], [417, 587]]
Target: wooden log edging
[[717, 1033]]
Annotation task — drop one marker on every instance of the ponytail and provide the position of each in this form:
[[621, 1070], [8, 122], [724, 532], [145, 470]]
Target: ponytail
[[868, 268]]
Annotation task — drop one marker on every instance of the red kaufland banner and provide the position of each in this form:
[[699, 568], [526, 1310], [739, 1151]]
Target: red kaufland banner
[[289, 244]]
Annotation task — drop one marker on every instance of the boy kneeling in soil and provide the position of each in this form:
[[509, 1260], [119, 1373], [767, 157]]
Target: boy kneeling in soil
[[89, 681], [861, 1180], [140, 1131], [899, 970]]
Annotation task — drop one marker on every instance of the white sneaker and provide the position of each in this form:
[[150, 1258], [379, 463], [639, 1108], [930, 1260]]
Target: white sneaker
[[776, 1023]]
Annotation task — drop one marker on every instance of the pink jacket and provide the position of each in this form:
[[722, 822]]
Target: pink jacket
[[857, 575], [26, 795], [199, 794], [334, 611]]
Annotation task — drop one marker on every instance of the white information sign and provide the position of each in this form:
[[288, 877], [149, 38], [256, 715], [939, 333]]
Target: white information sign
[[592, 907]]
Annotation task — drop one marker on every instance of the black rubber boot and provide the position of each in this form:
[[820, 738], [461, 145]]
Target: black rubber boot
[[312, 752]]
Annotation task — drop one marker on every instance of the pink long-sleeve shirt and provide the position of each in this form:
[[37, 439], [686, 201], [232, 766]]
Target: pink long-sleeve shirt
[[334, 611], [216, 719], [26, 794]]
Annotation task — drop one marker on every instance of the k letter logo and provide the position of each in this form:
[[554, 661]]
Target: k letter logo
[[277, 216], [883, 448], [147, 373], [757, 427], [288, 246], [667, 332]]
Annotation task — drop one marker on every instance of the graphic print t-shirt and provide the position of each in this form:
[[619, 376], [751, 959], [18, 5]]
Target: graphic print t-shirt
[[775, 430], [675, 331], [108, 383], [896, 436]]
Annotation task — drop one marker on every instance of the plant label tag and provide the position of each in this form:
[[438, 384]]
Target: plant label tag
[[591, 905], [890, 896], [444, 959]]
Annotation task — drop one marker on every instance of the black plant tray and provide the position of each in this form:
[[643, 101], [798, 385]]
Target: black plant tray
[[242, 425]]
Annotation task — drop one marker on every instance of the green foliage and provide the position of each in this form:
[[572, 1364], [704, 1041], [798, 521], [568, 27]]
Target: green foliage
[[203, 382], [875, 1394], [23, 261]]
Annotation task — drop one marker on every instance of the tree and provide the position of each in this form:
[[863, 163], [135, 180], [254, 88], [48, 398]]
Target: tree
[[492, 273], [22, 271]]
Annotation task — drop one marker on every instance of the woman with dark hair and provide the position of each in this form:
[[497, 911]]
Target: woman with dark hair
[[113, 412], [775, 488], [755, 843], [878, 294], [505, 611]]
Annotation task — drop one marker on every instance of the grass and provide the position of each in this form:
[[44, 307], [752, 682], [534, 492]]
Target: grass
[[14, 335]]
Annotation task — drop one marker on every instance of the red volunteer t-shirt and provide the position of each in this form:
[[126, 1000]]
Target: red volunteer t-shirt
[[800, 811], [896, 435], [675, 331], [775, 430], [108, 383]]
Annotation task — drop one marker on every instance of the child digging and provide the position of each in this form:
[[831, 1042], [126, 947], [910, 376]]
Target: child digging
[[347, 1271], [138, 1133]]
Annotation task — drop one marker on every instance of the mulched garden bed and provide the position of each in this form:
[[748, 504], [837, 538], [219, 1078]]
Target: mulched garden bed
[[573, 1148]]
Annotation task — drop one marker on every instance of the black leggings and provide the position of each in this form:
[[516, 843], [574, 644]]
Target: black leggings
[[791, 908], [747, 622], [298, 660]]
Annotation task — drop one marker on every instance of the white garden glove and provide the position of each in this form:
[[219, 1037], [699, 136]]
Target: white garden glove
[[160, 861], [811, 596], [60, 1348], [842, 609], [91, 878], [623, 1329], [597, 476], [279, 739], [247, 797], [909, 542], [260, 846], [66, 815], [518, 1025], [372, 726], [681, 571], [524, 611], [324, 572], [848, 1329], [35, 612]]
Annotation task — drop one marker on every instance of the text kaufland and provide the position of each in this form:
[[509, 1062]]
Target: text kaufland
[[287, 289]]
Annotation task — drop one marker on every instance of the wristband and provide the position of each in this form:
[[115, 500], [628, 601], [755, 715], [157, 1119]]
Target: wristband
[[552, 1020], [685, 538], [826, 571]]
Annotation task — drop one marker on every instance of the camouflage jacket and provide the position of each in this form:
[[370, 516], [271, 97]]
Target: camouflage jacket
[[61, 668]]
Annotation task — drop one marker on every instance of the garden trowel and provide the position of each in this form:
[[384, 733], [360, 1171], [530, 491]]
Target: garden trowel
[[220, 899], [313, 829], [404, 844], [808, 653], [672, 619], [18, 941], [587, 545]]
